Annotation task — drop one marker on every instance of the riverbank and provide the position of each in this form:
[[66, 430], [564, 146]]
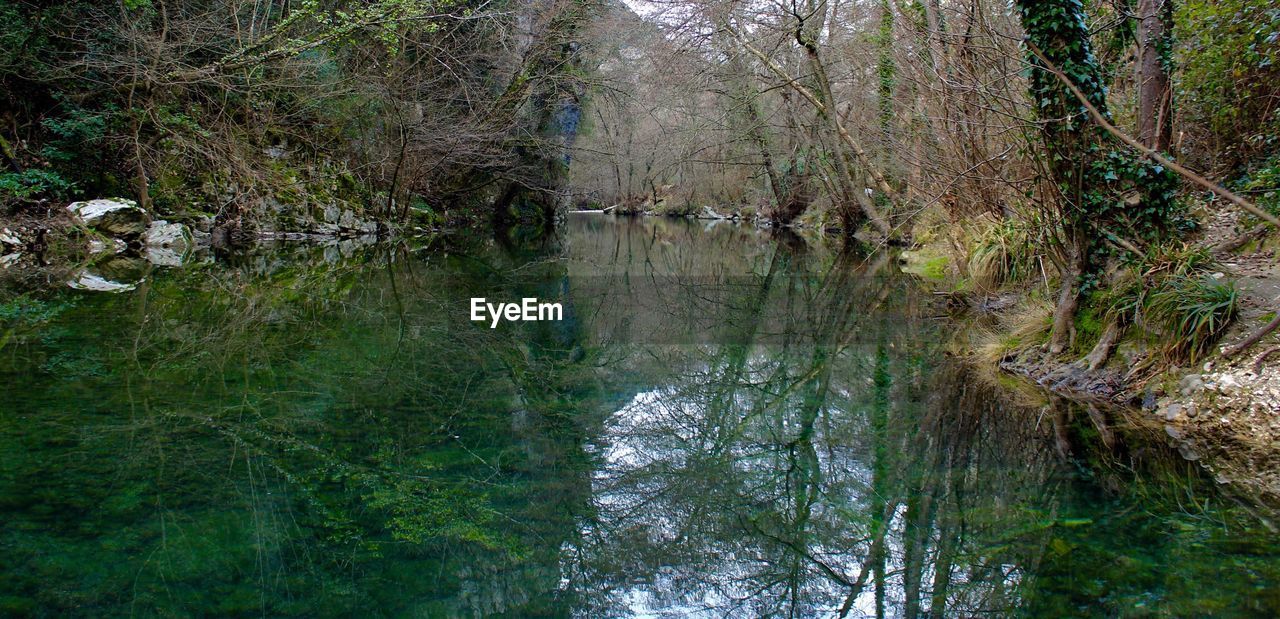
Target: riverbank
[[1217, 408]]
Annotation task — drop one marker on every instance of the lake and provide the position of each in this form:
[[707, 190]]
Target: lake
[[725, 423]]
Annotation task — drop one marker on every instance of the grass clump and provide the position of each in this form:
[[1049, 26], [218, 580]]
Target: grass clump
[[1004, 253], [1173, 294], [1026, 325], [1193, 313]]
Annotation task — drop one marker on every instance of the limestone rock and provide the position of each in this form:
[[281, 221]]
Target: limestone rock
[[1191, 384], [332, 213], [162, 234], [348, 221], [115, 217], [164, 256]]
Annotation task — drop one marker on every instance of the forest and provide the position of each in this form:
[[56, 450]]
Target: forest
[[829, 269], [1109, 150]]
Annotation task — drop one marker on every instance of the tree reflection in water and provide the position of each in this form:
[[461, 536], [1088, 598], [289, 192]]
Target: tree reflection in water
[[827, 459], [726, 424]]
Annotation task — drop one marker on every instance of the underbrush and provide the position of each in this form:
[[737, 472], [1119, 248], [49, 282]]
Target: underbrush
[[1172, 302], [1007, 252], [1175, 294], [1024, 326]]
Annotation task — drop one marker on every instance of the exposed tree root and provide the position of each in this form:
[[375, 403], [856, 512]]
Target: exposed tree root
[[1102, 350]]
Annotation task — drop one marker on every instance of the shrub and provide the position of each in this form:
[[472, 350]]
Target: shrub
[[1194, 313], [1263, 185], [32, 183]]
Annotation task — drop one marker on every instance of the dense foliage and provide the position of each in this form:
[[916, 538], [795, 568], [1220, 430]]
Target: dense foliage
[[249, 110]]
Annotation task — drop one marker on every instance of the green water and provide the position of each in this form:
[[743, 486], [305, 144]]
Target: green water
[[725, 424]]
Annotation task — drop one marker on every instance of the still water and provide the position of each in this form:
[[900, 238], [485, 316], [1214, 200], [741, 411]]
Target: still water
[[725, 424]]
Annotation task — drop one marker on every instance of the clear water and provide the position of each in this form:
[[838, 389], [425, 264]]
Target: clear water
[[726, 424]]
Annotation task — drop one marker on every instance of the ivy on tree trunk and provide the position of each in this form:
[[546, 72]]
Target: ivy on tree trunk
[[1108, 195]]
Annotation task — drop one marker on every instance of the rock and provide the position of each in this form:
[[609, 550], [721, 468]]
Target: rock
[[348, 221], [332, 213], [1191, 384], [203, 223], [116, 217], [1173, 432], [7, 237], [1148, 400], [1192, 411], [1228, 383], [8, 260], [97, 246], [162, 234], [1172, 411]]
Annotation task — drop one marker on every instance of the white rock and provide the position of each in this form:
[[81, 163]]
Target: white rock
[[115, 216], [168, 235], [7, 237], [9, 259]]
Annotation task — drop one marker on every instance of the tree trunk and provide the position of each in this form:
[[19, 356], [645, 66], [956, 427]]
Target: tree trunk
[[1068, 299], [1155, 97], [1056, 33]]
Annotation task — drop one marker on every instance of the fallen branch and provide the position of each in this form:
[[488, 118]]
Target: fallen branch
[[1231, 351], [1240, 240], [1257, 363]]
